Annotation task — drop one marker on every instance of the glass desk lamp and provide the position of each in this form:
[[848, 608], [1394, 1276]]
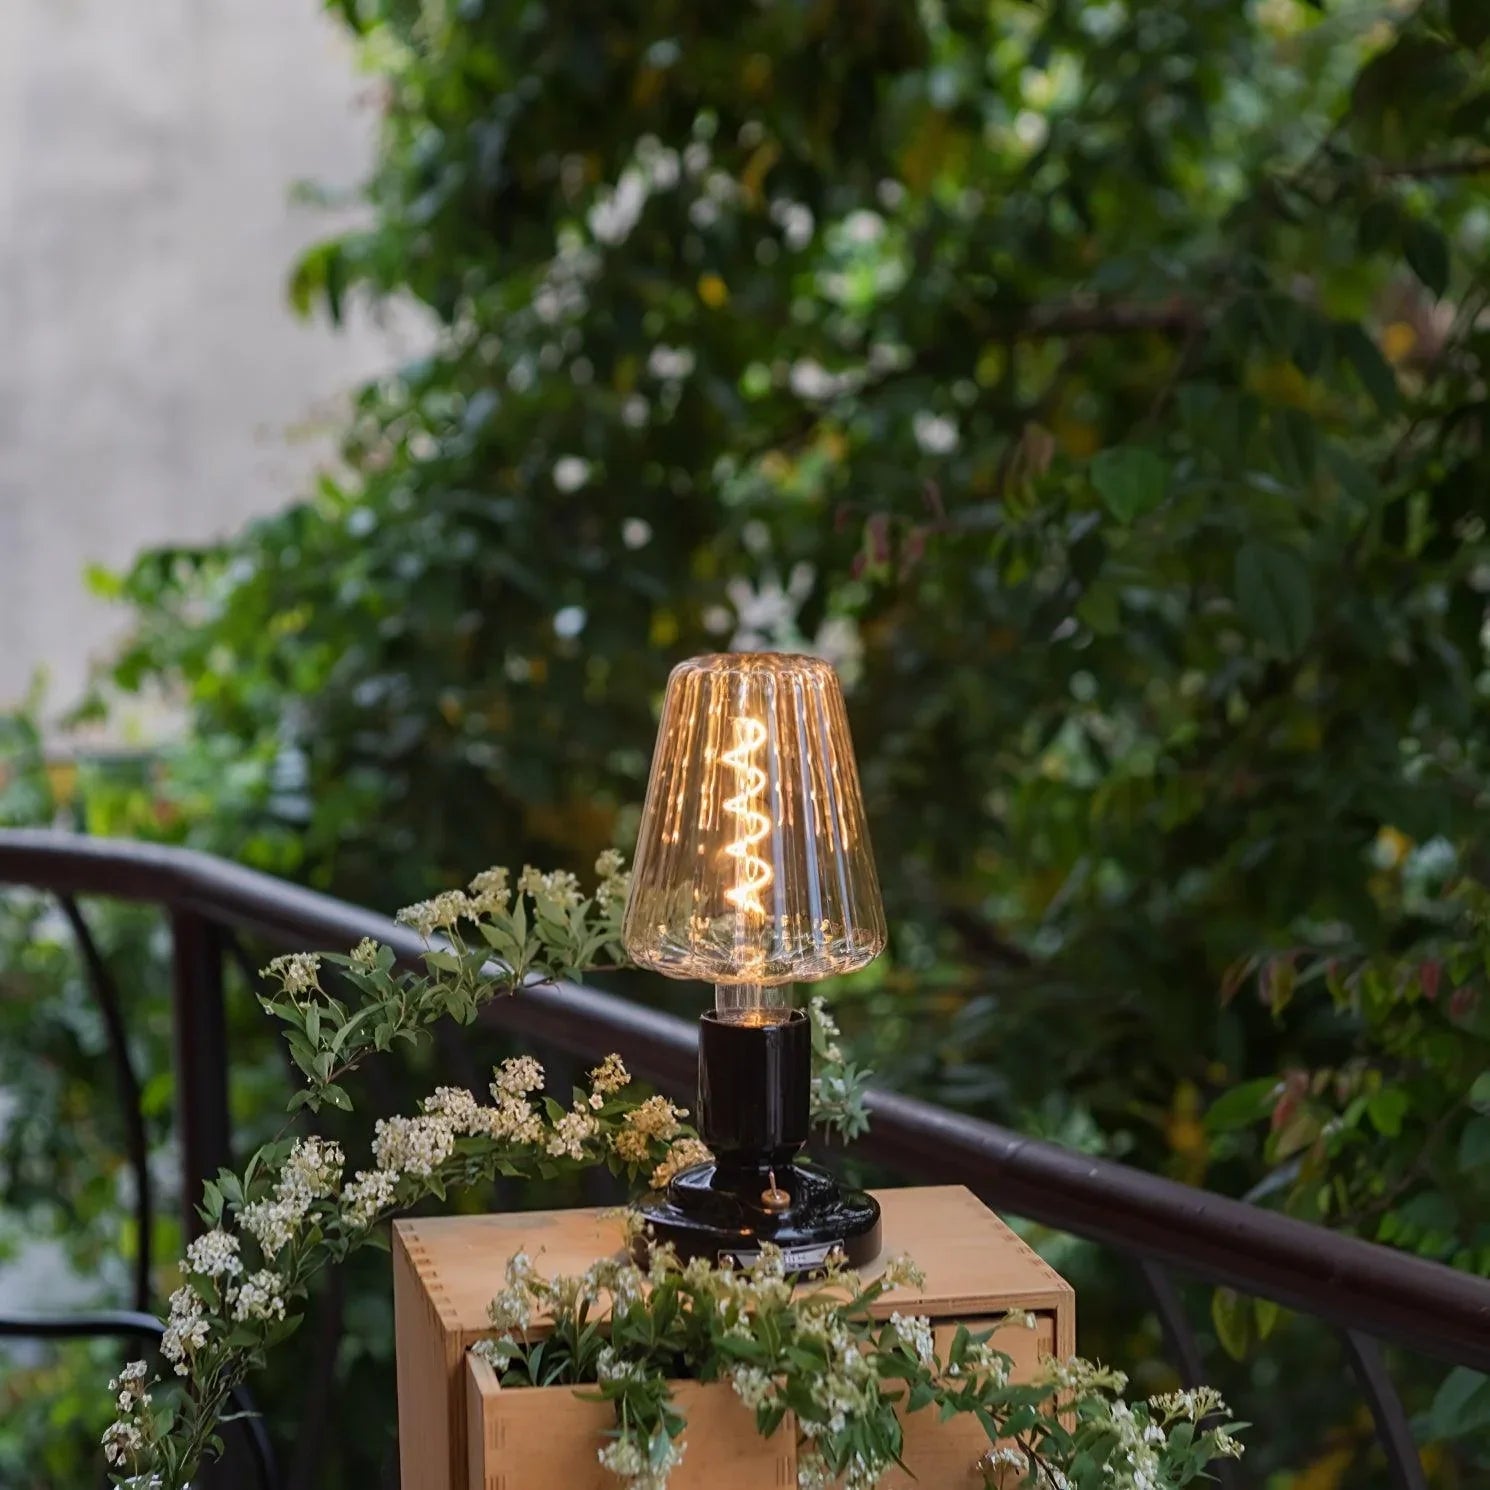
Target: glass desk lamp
[[753, 871]]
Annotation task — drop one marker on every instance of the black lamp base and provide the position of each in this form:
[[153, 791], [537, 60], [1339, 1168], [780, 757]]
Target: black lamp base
[[754, 1091], [711, 1212]]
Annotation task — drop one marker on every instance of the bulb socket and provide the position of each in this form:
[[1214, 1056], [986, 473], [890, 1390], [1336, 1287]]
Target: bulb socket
[[754, 1090]]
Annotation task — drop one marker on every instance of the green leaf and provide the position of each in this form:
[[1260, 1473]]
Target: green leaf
[[1474, 1143], [1461, 1406], [1241, 1106], [1232, 1317], [1130, 479], [337, 1097], [1273, 598], [1479, 1093], [1374, 371], [1427, 253], [1265, 1313], [1386, 1111]]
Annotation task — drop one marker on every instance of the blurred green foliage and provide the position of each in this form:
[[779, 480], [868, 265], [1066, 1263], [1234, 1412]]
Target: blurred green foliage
[[1101, 387]]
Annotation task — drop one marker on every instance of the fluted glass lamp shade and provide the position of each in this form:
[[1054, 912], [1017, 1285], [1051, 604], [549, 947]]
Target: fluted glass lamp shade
[[753, 865]]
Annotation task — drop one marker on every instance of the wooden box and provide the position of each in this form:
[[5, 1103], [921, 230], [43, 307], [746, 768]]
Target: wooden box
[[459, 1431]]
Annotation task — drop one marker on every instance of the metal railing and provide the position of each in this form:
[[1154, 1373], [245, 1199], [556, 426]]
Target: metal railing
[[1367, 1293]]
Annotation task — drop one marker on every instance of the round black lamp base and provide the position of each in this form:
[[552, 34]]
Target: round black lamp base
[[726, 1214]]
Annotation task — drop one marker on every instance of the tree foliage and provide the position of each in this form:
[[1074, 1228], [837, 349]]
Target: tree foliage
[[1102, 387]]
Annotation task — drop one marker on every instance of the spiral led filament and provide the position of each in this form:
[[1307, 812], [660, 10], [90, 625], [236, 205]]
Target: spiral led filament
[[747, 807]]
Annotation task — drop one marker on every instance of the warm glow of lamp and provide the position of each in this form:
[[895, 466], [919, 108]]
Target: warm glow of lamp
[[753, 871], [753, 866]]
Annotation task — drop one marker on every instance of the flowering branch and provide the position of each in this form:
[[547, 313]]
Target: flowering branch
[[820, 1353], [292, 1213]]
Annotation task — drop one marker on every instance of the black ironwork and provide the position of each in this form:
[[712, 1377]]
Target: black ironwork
[[199, 1022], [133, 1324], [1367, 1291], [1393, 1431], [106, 995]]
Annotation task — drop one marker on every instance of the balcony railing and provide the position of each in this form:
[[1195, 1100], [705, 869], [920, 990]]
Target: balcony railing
[[1367, 1293]]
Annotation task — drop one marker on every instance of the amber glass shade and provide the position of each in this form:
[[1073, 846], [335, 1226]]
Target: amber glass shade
[[753, 863]]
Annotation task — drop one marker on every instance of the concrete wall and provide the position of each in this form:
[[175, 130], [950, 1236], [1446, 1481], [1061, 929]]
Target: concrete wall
[[153, 384]]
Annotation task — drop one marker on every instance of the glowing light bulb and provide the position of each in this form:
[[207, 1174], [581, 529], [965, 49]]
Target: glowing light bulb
[[753, 869]]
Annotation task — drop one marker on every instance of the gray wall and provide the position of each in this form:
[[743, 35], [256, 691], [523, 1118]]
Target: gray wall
[[153, 384]]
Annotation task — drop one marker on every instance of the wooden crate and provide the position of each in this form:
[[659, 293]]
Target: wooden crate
[[446, 1269]]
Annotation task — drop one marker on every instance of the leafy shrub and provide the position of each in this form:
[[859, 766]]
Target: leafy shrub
[[1102, 387]]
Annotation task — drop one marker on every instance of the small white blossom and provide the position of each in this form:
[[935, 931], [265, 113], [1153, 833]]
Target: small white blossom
[[416, 1145], [570, 1134], [365, 955], [369, 1192], [914, 1331], [517, 1076], [655, 1120], [752, 1386], [559, 886], [298, 972], [121, 1442], [570, 473], [936, 434], [186, 1329], [439, 914], [214, 1254], [490, 891], [684, 1154], [610, 1075], [271, 1223], [260, 1296], [670, 364], [129, 1384]]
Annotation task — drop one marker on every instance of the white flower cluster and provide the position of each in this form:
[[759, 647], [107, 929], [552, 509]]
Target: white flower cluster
[[623, 1280], [186, 1329], [491, 891], [607, 1079], [611, 1367], [825, 1027], [655, 1121], [312, 1170], [438, 914], [130, 1385], [1191, 1405], [571, 1133], [684, 1154], [902, 1272], [296, 973], [365, 955], [261, 1296], [914, 1332], [369, 1193], [413, 1145], [1077, 1375], [753, 1387], [511, 1311], [214, 1254], [121, 1442], [630, 1458], [849, 1385], [517, 1076], [559, 888], [615, 881]]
